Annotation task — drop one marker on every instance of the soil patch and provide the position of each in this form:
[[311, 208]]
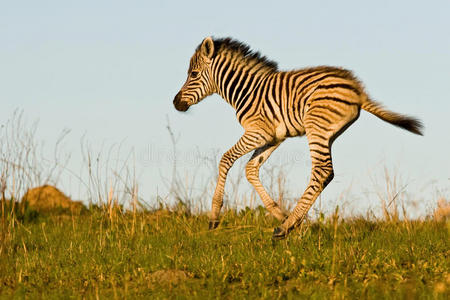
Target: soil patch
[[48, 198]]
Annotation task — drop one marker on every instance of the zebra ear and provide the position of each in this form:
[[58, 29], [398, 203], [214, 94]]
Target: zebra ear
[[207, 48]]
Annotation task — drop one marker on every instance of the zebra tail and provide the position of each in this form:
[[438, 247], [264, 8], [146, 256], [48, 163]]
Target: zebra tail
[[411, 124]]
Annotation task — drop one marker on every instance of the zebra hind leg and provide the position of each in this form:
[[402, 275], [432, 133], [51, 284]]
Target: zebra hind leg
[[321, 174], [320, 139]]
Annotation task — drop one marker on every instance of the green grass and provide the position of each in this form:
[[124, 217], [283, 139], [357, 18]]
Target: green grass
[[103, 255]]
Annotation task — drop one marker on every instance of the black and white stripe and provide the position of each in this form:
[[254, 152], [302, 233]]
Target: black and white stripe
[[272, 105]]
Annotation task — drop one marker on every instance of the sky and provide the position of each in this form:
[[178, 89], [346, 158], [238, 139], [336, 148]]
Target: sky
[[107, 71]]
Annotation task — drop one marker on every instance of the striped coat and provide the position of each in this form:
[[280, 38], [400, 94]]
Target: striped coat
[[272, 105]]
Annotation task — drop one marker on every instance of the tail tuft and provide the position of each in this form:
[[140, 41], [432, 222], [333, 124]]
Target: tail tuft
[[411, 124]]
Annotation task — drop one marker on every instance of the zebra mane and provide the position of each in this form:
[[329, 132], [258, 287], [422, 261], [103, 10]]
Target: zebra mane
[[232, 45]]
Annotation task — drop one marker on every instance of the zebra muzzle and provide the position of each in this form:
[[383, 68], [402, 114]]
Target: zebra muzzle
[[179, 104]]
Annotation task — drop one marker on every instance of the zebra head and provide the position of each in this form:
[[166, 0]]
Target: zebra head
[[199, 83]]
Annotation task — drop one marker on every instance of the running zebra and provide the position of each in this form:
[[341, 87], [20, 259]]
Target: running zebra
[[272, 105]]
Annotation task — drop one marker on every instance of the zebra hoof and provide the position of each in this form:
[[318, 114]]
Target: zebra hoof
[[213, 224], [279, 234]]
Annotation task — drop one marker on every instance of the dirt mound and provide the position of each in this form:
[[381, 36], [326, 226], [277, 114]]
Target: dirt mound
[[172, 277], [48, 198]]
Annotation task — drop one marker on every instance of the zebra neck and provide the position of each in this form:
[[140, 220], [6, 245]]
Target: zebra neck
[[235, 82]]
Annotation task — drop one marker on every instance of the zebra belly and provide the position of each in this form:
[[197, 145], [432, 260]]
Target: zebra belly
[[282, 131]]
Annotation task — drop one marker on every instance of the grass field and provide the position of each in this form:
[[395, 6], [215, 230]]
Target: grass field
[[171, 254], [106, 252]]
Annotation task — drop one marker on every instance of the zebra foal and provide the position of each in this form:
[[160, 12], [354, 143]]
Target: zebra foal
[[272, 105]]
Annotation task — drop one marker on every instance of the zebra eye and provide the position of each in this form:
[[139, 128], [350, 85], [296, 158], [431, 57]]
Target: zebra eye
[[194, 74]]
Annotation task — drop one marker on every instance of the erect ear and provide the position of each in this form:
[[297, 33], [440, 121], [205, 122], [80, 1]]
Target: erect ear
[[207, 48]]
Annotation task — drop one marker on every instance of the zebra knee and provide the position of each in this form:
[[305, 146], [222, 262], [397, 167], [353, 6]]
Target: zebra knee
[[225, 163]]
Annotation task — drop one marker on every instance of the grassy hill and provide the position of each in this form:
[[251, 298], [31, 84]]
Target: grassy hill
[[171, 254]]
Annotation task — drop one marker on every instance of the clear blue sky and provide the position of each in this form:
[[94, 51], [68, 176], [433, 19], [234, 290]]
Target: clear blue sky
[[110, 69]]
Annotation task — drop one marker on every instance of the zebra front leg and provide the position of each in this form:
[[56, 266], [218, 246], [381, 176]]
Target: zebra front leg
[[252, 172], [248, 142]]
